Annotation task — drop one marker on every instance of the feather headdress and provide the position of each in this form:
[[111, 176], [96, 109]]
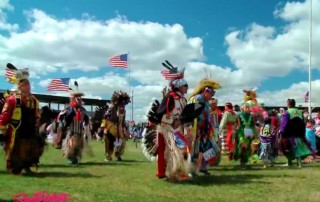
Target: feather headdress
[[19, 74], [250, 96], [175, 72], [75, 92], [120, 98], [174, 75], [206, 82]]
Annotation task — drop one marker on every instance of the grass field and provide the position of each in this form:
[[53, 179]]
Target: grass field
[[133, 179]]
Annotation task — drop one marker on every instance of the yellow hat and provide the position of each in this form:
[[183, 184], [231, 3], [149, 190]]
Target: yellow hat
[[203, 84], [250, 96]]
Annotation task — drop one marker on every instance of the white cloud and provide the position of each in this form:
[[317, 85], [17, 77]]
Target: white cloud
[[4, 25], [86, 44], [259, 52], [262, 51], [295, 91]]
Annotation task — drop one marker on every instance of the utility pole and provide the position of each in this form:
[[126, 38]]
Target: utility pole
[[310, 58]]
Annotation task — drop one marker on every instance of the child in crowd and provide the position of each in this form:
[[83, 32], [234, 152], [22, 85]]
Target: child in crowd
[[255, 145], [267, 139], [311, 137]]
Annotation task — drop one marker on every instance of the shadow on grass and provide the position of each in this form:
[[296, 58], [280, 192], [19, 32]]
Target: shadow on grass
[[53, 174], [99, 163], [55, 166], [60, 175], [125, 162], [134, 161], [203, 180], [6, 200], [252, 168], [259, 167]]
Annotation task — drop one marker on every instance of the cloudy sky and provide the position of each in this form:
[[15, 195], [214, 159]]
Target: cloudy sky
[[243, 44]]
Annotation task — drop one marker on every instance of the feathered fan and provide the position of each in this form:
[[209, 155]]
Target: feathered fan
[[149, 141]]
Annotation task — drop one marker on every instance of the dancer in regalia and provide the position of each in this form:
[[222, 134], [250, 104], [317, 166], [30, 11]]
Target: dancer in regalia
[[113, 126], [216, 116], [72, 121], [228, 128], [268, 135], [19, 125], [292, 131], [164, 137], [204, 149], [245, 134]]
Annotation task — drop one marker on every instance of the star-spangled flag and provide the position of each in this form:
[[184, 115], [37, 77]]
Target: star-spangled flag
[[59, 84], [306, 97], [167, 75], [119, 61], [9, 73]]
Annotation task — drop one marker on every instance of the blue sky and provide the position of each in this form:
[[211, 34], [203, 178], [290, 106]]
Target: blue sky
[[244, 44]]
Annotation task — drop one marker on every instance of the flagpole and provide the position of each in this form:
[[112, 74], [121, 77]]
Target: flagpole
[[130, 87], [129, 72], [132, 105], [310, 56]]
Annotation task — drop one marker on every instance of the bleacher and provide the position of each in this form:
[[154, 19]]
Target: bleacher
[[54, 101]]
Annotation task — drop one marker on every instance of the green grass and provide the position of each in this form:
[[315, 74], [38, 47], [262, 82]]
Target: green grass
[[134, 179]]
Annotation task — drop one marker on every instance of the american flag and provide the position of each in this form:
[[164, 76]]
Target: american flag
[[167, 75], [306, 97], [59, 84], [119, 61], [9, 73]]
